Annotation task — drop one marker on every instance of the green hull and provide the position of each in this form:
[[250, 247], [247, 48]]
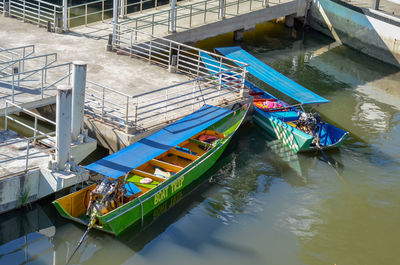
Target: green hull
[[117, 221], [294, 139]]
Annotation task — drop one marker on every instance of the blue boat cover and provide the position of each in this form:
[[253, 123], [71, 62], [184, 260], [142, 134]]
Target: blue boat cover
[[211, 64], [131, 157], [272, 77]]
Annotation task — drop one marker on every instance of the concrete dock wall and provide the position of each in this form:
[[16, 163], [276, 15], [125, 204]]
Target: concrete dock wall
[[369, 31], [242, 22]]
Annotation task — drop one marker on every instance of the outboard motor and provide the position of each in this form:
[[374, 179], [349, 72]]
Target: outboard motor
[[308, 123], [107, 196]]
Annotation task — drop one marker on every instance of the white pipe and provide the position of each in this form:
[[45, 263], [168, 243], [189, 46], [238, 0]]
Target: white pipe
[[63, 125], [115, 21], [173, 4], [122, 9], [78, 98]]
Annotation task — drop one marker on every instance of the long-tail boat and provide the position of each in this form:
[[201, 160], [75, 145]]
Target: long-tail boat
[[140, 177], [297, 129]]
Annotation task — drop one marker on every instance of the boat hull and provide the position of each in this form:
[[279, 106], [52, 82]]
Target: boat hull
[[294, 139], [134, 212]]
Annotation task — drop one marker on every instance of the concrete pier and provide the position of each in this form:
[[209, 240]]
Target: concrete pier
[[78, 98], [63, 128], [372, 32]]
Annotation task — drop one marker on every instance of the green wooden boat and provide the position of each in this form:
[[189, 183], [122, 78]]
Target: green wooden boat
[[140, 177], [298, 130]]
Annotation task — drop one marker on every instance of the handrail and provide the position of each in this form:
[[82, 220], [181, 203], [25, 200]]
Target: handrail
[[34, 138]]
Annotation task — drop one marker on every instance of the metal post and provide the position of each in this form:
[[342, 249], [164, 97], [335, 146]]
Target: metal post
[[38, 19], [35, 131], [102, 11], [65, 15], [86, 13], [152, 25], [78, 98], [127, 111], [173, 29], [190, 16], [23, 10], [141, 6], [122, 9], [375, 4], [243, 82], [115, 21], [63, 125], [102, 104], [27, 155], [221, 13], [205, 11], [5, 117], [12, 88]]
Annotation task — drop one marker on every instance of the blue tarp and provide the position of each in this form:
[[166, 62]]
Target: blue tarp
[[272, 77], [131, 157], [211, 64]]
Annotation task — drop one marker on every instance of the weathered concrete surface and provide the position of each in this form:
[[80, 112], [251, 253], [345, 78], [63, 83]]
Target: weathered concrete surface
[[24, 188], [371, 32], [107, 68], [13, 151], [391, 7]]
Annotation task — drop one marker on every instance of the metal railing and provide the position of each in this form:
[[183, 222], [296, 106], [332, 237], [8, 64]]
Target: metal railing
[[169, 54], [212, 83], [108, 104], [153, 108], [14, 66], [185, 14], [16, 53], [88, 12], [38, 77], [39, 12], [37, 134], [100, 10]]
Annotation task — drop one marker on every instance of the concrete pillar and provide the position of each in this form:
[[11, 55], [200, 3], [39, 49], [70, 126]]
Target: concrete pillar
[[238, 35], [63, 125], [115, 21], [289, 21], [375, 4], [78, 98], [65, 15], [173, 4]]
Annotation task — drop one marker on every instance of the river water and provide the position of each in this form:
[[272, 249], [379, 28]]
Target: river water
[[260, 204]]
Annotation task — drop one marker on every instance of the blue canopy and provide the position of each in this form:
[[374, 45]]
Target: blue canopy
[[131, 157], [211, 64], [272, 77]]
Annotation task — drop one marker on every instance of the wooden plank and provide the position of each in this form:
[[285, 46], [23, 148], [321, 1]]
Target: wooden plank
[[147, 175], [183, 154], [166, 165]]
